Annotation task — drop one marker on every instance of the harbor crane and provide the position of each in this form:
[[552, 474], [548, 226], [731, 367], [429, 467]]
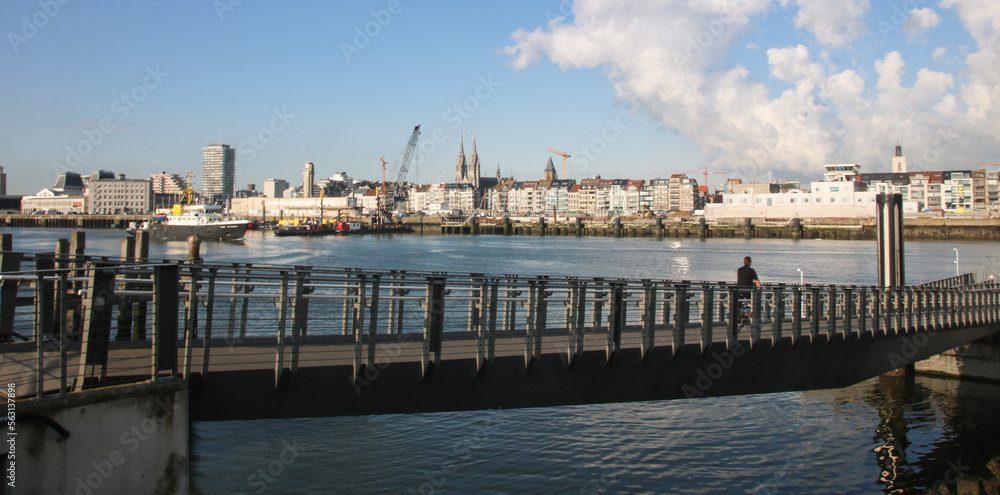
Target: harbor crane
[[564, 157], [391, 197]]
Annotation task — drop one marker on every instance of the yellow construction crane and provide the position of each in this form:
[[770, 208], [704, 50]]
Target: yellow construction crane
[[564, 157], [187, 196]]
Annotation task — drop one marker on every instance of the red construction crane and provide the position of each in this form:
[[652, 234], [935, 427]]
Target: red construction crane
[[564, 157]]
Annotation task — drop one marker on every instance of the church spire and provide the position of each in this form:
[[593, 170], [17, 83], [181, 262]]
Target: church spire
[[473, 168], [461, 168]]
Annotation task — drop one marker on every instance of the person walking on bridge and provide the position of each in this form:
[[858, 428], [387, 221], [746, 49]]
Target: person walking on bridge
[[746, 278]]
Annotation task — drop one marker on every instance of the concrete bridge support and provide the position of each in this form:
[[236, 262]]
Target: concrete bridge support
[[127, 439]]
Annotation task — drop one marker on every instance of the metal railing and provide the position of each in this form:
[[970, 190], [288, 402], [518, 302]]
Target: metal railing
[[78, 322]]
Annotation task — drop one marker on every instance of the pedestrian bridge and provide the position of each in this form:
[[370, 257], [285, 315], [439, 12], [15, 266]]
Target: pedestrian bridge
[[255, 341]]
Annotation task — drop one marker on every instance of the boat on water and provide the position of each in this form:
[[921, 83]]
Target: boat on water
[[182, 221], [308, 228]]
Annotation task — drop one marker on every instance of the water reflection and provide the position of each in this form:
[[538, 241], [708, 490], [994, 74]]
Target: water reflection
[[931, 430]]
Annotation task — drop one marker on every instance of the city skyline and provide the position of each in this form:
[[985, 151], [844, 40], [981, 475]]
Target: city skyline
[[747, 87]]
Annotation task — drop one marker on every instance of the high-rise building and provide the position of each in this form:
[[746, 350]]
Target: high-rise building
[[275, 188], [899, 161], [308, 180], [218, 172], [3, 182], [164, 183]]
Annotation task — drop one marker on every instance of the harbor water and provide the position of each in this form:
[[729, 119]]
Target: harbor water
[[879, 436]]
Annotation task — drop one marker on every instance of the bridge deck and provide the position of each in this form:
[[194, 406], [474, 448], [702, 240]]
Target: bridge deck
[[369, 342]]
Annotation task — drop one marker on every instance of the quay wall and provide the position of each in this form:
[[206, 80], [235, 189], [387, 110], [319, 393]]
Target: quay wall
[[931, 228], [833, 228], [979, 360], [124, 439]]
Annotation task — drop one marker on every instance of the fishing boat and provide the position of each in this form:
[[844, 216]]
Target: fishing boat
[[182, 221]]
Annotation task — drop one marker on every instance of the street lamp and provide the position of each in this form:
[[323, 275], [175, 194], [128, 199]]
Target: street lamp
[[957, 273], [801, 277]]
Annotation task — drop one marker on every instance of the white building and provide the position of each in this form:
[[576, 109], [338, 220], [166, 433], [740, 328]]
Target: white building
[[48, 200]]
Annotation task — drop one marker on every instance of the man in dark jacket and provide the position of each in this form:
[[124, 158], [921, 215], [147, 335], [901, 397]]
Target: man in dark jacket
[[746, 276]]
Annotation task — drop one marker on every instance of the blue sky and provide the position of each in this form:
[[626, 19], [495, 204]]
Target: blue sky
[[750, 87]]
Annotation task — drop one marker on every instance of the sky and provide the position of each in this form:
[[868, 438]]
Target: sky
[[749, 89]]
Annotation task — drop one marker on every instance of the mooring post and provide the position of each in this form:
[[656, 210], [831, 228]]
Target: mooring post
[[77, 246]]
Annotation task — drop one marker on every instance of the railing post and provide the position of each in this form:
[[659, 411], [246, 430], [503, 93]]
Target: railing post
[[354, 315], [817, 314], [863, 295], [796, 313], [756, 321], [166, 286], [395, 317], [433, 324], [778, 317], [125, 303], [486, 311], [648, 319], [300, 313], [191, 320], [372, 323], [577, 320], [878, 294], [45, 295], [734, 318], [9, 262], [831, 329], [209, 310], [97, 314], [282, 304], [681, 317], [848, 312], [616, 321], [707, 316], [61, 286], [541, 316]]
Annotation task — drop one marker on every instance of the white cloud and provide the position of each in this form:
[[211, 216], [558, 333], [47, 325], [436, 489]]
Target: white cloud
[[920, 21], [682, 78], [835, 23], [939, 53]]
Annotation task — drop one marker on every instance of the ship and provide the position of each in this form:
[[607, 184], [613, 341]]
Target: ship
[[309, 228], [182, 221]]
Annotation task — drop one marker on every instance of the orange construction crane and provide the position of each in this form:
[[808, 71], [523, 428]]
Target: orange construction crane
[[564, 157], [994, 164]]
